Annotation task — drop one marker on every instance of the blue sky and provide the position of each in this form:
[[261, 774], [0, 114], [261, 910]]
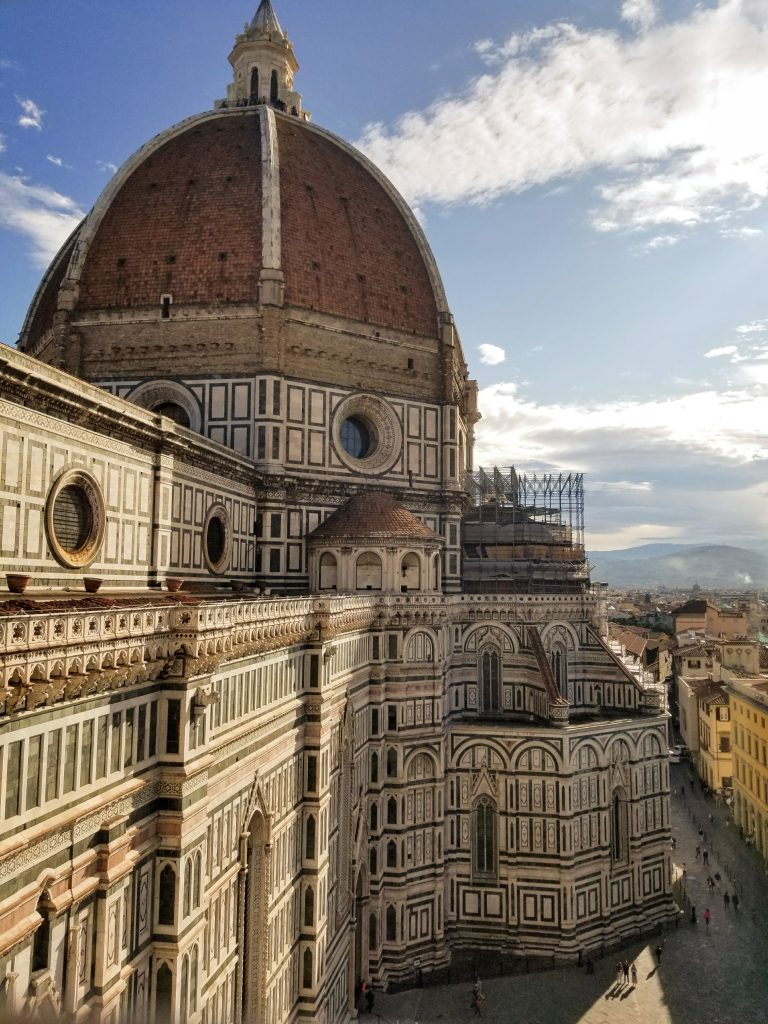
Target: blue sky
[[592, 176]]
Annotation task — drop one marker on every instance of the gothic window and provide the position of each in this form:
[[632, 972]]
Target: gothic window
[[163, 994], [198, 874], [374, 816], [391, 762], [188, 887], [310, 838], [193, 979], [419, 648], [484, 837], [391, 811], [373, 861], [391, 854], [391, 924], [309, 907], [559, 662], [184, 995], [306, 979], [166, 910], [273, 99], [255, 88], [619, 826], [374, 767], [490, 681], [372, 931]]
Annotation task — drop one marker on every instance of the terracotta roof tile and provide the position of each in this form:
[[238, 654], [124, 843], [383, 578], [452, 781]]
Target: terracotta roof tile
[[373, 515]]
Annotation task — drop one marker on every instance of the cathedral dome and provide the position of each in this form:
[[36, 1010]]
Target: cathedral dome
[[188, 215]]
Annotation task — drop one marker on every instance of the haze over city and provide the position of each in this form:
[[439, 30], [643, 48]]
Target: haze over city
[[592, 177]]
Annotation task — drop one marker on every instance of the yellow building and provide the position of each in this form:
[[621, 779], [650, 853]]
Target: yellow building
[[714, 759], [749, 705]]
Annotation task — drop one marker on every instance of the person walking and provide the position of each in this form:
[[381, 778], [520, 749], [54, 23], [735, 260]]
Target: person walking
[[477, 1001], [369, 997], [707, 917], [625, 971], [659, 951], [726, 900], [735, 901], [619, 973], [634, 974], [698, 851], [705, 856]]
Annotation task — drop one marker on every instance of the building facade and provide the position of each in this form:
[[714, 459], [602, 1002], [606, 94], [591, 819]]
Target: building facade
[[332, 753], [749, 706]]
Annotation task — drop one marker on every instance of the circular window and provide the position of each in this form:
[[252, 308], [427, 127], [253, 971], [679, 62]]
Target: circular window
[[75, 518], [357, 439], [367, 434], [217, 535]]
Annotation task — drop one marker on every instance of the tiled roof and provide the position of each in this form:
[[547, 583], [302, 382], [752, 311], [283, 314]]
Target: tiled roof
[[373, 515]]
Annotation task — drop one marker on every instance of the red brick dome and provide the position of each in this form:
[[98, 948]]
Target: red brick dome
[[202, 210]]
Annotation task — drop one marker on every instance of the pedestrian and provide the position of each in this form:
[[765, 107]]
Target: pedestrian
[[369, 997], [619, 973], [711, 818], [707, 917], [698, 852], [726, 900], [701, 832], [685, 871], [659, 951], [735, 901], [477, 1001], [705, 856], [625, 969], [634, 974]]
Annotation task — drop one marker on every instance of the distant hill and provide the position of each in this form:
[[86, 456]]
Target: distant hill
[[680, 565]]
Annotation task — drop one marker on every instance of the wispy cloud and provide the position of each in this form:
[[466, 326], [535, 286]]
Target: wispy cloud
[[55, 160], [641, 457], [753, 327], [9, 65], [640, 13], [724, 350], [106, 166], [32, 116], [45, 217], [2, 143], [491, 355], [672, 111]]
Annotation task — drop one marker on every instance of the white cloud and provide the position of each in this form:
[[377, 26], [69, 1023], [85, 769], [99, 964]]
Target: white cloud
[[45, 217], [743, 232], [9, 65], [674, 111], [695, 462], [56, 160], [641, 13], [106, 166], [724, 350], [662, 241], [32, 116], [2, 143], [491, 355], [754, 327]]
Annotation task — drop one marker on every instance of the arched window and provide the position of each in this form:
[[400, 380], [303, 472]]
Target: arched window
[[198, 876], [193, 979], [255, 85], [619, 826], [374, 817], [410, 573], [490, 681], [306, 978], [391, 762], [484, 837], [328, 571], [368, 572], [167, 901], [163, 994], [188, 887], [310, 838], [391, 811], [391, 854], [391, 924], [42, 940], [372, 931], [436, 572], [309, 907], [174, 412], [184, 994], [374, 767], [419, 648], [559, 662], [373, 861]]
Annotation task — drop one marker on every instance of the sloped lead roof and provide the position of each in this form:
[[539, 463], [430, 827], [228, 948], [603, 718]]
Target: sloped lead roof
[[265, 20], [373, 515]]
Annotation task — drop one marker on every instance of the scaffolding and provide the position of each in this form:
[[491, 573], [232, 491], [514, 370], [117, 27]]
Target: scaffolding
[[524, 533]]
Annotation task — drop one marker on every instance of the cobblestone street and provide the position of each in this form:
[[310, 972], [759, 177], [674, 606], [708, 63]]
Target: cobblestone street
[[715, 975]]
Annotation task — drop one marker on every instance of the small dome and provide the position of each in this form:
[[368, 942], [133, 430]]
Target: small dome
[[373, 515]]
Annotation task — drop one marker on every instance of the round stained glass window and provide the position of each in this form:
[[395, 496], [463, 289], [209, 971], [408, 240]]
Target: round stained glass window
[[356, 438], [75, 518], [72, 519], [216, 540]]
